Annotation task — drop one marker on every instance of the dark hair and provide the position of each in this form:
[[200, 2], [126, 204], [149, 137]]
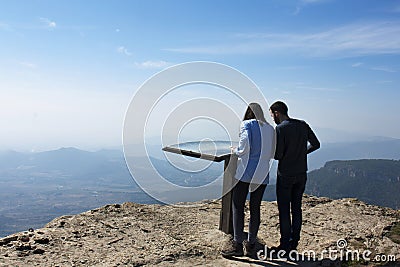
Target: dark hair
[[280, 107], [254, 111]]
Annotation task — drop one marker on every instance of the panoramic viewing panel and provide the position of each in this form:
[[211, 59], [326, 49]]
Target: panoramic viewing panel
[[209, 150]]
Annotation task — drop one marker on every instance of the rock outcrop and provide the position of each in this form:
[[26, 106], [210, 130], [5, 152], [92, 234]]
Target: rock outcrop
[[132, 234]]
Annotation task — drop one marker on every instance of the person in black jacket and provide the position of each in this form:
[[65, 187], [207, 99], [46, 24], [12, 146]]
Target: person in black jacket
[[295, 140]]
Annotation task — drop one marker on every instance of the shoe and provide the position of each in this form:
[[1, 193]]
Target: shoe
[[249, 248], [293, 245], [233, 249], [278, 250]]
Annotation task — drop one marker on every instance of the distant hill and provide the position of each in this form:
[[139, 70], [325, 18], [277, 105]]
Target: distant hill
[[375, 181], [373, 149], [67, 162]]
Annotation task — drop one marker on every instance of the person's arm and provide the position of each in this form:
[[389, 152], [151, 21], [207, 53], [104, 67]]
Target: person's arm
[[314, 143], [279, 144], [273, 143], [244, 143]]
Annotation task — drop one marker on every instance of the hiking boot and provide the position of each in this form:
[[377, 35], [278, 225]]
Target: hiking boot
[[293, 245], [249, 248], [280, 250], [233, 249]]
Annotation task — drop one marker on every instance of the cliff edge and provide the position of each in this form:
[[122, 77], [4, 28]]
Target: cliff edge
[[132, 234]]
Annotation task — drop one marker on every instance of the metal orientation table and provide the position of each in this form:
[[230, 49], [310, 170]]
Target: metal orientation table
[[214, 151]]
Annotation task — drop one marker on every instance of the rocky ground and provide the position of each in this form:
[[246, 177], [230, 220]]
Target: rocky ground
[[132, 234]]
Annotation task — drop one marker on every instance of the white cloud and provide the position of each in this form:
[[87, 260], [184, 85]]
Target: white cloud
[[357, 64], [48, 23], [383, 68], [304, 3], [347, 41], [5, 27], [396, 9], [321, 89], [123, 50], [29, 65], [313, 1], [291, 67], [160, 64], [378, 68], [297, 10], [384, 82]]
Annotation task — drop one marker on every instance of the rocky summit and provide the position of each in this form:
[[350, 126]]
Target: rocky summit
[[132, 234]]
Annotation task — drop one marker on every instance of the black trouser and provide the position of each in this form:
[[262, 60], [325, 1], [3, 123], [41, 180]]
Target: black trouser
[[289, 193], [239, 195]]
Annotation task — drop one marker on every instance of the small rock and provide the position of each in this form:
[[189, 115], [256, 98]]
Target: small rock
[[38, 251], [42, 240], [169, 257], [8, 239], [22, 254], [23, 247], [24, 238]]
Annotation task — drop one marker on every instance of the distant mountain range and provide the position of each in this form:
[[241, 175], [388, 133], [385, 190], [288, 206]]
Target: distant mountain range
[[378, 149], [373, 181], [37, 187]]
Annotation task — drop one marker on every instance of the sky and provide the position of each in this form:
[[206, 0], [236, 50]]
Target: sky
[[69, 69]]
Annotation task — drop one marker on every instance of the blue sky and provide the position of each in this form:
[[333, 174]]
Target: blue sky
[[68, 69]]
